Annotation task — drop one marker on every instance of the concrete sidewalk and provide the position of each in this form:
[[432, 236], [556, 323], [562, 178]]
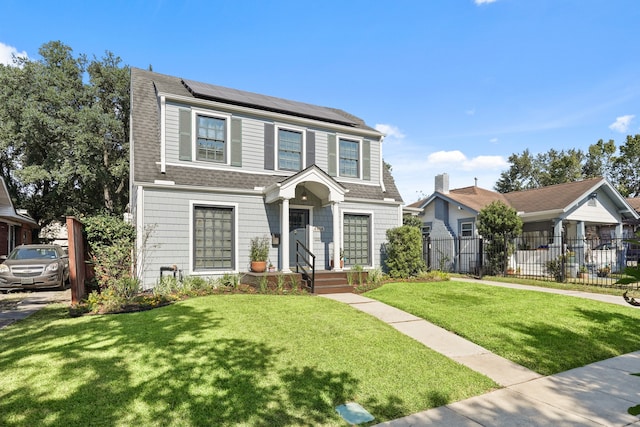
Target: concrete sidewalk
[[599, 394]]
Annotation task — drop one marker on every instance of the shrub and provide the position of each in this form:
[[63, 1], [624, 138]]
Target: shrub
[[404, 251], [111, 243]]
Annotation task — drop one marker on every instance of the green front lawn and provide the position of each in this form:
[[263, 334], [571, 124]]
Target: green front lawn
[[258, 360], [546, 333]]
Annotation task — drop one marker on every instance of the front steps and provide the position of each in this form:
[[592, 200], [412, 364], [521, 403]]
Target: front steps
[[326, 282]]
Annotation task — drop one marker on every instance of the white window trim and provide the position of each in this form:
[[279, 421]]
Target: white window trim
[[195, 112], [276, 148], [340, 136], [472, 228], [371, 231], [234, 206]]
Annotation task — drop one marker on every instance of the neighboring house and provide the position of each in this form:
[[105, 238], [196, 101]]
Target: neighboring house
[[213, 167], [573, 213], [16, 226]]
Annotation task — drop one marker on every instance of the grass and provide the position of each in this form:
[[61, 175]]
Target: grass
[[544, 332], [606, 289], [257, 360]]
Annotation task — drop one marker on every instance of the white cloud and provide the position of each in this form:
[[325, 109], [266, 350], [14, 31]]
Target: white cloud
[[7, 52], [440, 157], [479, 2], [471, 112], [390, 130], [622, 123], [493, 140]]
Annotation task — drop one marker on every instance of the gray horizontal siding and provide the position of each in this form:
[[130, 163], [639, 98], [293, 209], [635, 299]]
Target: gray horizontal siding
[[167, 213], [253, 144]]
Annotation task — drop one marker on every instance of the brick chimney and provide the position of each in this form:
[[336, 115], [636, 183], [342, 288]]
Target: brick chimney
[[442, 183]]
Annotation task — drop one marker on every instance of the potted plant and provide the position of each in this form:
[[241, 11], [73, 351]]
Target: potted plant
[[259, 253], [271, 267], [604, 271], [583, 273]]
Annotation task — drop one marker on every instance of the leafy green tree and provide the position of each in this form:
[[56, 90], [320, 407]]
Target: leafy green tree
[[520, 176], [625, 167], [498, 224], [404, 251], [599, 160], [413, 221], [63, 141]]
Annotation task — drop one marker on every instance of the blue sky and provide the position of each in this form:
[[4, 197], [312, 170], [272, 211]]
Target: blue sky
[[458, 85]]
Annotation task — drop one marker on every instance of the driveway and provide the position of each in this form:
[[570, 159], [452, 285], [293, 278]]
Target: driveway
[[18, 305]]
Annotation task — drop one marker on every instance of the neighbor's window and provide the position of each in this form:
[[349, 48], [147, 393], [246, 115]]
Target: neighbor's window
[[213, 238], [289, 150], [349, 158], [357, 239], [466, 229], [211, 139]]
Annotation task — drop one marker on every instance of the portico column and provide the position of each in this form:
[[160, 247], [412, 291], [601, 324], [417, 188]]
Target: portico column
[[284, 236], [337, 241], [557, 233]]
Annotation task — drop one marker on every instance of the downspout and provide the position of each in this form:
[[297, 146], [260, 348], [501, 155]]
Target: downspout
[[163, 132], [384, 190]]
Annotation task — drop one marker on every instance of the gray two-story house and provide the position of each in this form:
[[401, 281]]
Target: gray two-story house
[[213, 167]]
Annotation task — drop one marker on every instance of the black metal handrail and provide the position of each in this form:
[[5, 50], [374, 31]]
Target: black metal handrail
[[302, 255]]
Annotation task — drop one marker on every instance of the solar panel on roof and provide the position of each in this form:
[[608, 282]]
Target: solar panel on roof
[[269, 103]]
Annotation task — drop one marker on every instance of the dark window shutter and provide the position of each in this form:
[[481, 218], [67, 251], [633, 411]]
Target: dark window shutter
[[236, 142], [311, 149], [184, 129], [269, 146], [366, 160], [332, 160]]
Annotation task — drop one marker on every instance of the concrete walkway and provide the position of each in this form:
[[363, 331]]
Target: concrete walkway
[[599, 394]]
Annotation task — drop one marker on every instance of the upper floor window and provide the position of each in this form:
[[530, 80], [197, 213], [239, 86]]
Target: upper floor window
[[349, 158], [289, 150], [211, 142], [466, 229]]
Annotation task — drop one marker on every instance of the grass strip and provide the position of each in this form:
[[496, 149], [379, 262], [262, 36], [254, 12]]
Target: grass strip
[[546, 333]]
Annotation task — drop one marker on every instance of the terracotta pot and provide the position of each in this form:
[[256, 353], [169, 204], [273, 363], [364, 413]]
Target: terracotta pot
[[258, 266], [341, 264]]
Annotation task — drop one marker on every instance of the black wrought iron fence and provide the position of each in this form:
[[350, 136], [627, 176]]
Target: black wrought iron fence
[[590, 261]]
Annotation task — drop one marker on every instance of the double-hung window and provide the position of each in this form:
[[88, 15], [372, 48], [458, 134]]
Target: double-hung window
[[289, 150], [357, 239], [213, 238], [466, 229], [212, 135], [349, 158]]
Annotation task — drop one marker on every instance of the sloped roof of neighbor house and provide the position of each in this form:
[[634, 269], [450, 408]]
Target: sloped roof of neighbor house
[[553, 197], [472, 197], [7, 210]]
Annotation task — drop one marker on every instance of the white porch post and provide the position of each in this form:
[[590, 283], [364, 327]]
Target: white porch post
[[557, 233], [337, 241], [284, 236], [619, 232]]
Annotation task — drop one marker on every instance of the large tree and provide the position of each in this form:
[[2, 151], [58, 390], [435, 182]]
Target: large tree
[[64, 133], [626, 167], [618, 164]]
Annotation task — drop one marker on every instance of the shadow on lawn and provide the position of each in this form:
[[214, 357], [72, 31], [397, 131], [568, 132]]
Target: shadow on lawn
[[124, 372], [552, 345]]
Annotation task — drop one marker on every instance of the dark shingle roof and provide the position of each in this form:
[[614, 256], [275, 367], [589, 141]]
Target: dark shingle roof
[[145, 136]]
